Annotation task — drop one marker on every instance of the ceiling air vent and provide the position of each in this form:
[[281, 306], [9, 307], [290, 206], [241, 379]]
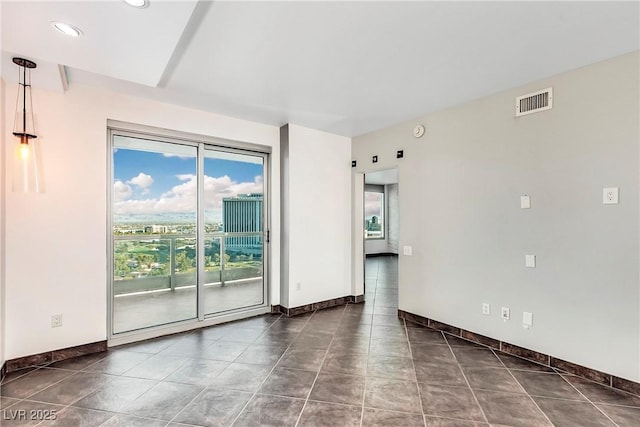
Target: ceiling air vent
[[534, 102]]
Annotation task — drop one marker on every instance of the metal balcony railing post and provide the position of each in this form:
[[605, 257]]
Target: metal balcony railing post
[[222, 260], [172, 263]]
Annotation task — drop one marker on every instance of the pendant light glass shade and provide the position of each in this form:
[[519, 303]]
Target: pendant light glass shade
[[27, 168]]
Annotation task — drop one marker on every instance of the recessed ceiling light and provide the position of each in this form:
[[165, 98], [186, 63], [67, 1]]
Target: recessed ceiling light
[[67, 29], [137, 3]]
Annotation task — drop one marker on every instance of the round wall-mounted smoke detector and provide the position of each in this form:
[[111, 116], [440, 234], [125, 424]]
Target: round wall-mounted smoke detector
[[418, 131]]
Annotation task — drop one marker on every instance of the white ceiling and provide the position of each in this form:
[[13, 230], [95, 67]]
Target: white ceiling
[[341, 67], [118, 41]]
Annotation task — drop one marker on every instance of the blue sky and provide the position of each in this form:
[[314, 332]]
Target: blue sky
[[165, 170]]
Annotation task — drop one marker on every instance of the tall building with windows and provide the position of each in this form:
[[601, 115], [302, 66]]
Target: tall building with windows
[[242, 214], [156, 229]]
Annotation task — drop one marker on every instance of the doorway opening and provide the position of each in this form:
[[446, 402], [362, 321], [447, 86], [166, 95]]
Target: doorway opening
[[381, 232]]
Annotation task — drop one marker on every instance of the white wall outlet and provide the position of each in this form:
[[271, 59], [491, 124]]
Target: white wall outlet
[[56, 320], [527, 320], [530, 261], [525, 202], [486, 309], [610, 196], [407, 250], [298, 286], [505, 313]]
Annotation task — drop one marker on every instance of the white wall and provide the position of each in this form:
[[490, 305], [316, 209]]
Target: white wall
[[285, 213], [319, 216], [460, 210], [56, 257], [357, 235], [3, 171], [393, 217]]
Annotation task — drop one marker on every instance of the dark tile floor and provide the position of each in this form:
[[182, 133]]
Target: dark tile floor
[[357, 365]]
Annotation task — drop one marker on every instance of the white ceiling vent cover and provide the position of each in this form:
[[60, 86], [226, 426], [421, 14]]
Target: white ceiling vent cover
[[534, 102]]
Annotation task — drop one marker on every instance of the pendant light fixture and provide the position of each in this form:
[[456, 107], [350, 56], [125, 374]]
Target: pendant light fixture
[[27, 170]]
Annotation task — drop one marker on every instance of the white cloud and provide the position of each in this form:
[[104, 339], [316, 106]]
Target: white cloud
[[183, 197], [143, 181], [180, 156], [371, 204], [121, 191]]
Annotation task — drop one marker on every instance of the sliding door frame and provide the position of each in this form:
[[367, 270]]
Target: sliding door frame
[[202, 143]]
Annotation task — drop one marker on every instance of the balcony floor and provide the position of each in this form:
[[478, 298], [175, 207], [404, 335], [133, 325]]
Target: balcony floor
[[136, 311]]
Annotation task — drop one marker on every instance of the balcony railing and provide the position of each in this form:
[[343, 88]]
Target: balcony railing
[[153, 262]]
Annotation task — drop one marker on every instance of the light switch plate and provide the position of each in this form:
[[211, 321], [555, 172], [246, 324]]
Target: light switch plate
[[530, 261], [407, 250], [610, 196], [527, 320], [525, 202]]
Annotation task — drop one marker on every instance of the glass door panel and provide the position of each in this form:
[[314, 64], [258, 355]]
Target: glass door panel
[[154, 233], [234, 227]]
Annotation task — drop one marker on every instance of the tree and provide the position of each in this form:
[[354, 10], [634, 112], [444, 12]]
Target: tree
[[145, 260], [161, 270], [121, 267], [216, 259], [183, 263]]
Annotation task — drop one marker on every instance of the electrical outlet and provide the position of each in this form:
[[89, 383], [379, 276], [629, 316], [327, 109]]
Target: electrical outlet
[[610, 196], [56, 320], [298, 286], [505, 313], [407, 250], [486, 309]]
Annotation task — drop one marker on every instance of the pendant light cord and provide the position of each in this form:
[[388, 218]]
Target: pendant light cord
[[24, 99]]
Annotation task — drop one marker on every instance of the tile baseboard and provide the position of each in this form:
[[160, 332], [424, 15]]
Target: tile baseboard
[[525, 353], [626, 385], [381, 254], [308, 308], [357, 299], [41, 359]]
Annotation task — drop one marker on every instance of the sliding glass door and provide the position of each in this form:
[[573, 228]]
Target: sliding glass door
[[234, 224], [188, 231]]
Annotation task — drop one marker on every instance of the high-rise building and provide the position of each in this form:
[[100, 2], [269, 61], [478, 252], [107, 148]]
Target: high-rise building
[[156, 229], [242, 214]]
